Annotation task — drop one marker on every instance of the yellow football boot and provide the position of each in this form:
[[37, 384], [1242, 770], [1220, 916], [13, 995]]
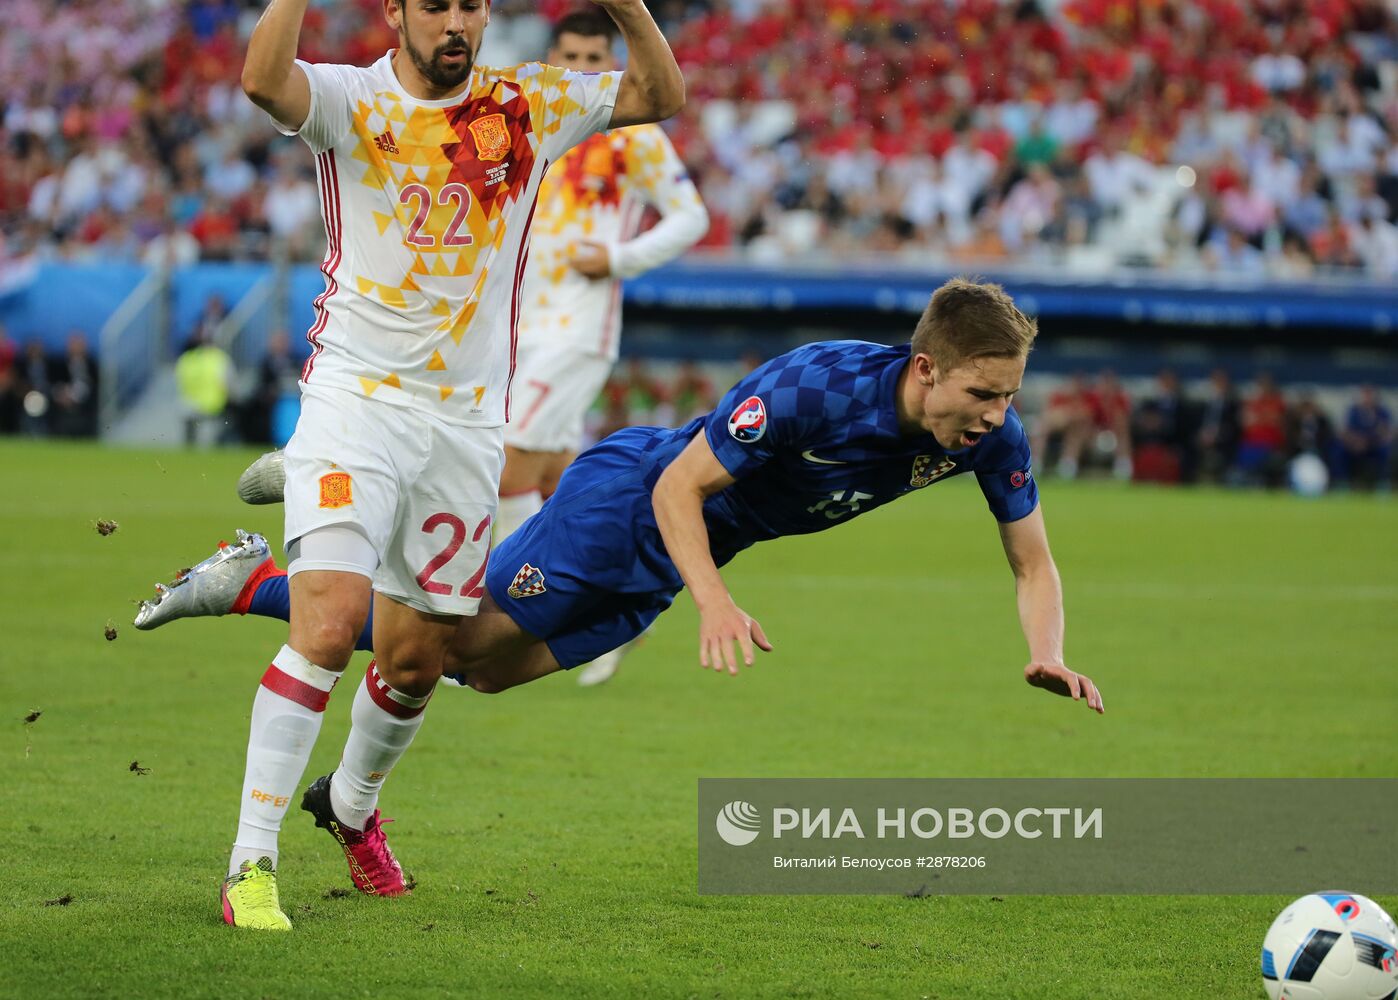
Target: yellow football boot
[[250, 898]]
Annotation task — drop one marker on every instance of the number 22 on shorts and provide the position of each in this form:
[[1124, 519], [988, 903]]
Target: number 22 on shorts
[[472, 587]]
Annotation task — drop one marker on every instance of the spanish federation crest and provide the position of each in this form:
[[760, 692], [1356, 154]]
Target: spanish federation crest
[[528, 582], [925, 473], [336, 490], [492, 137]]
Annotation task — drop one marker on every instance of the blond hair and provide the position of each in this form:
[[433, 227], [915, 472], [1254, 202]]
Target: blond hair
[[969, 319]]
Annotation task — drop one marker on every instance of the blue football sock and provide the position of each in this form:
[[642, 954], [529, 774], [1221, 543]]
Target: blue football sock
[[272, 599]]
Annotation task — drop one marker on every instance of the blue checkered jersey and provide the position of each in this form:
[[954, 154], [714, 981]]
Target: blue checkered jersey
[[812, 440]]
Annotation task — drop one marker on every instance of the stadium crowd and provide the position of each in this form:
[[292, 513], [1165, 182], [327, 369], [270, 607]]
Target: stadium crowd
[[1258, 136], [1253, 136]]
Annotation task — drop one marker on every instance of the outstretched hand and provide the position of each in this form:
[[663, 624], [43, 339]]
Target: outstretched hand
[[720, 628], [1060, 680]]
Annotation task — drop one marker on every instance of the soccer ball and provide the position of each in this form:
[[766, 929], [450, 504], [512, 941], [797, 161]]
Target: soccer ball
[[1331, 946], [1308, 475]]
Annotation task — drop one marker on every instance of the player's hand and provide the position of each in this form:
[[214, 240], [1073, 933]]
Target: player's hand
[[591, 260], [720, 628], [1060, 680]]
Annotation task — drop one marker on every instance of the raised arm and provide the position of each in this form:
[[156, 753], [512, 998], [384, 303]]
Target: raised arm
[[684, 220], [679, 512], [271, 77], [652, 88], [1040, 596]]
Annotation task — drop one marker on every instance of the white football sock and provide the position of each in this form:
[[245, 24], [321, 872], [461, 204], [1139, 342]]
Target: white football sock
[[515, 510], [286, 717], [383, 722]]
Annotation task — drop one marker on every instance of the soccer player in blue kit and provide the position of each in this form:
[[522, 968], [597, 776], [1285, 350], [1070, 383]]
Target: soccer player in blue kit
[[809, 440]]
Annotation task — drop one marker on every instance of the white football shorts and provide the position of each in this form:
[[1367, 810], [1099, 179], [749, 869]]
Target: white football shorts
[[550, 396], [423, 491]]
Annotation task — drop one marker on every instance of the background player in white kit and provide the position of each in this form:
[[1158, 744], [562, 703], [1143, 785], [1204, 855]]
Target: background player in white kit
[[585, 241], [428, 168]]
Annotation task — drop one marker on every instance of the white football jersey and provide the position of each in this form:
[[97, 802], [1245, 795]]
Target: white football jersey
[[599, 191], [427, 208]]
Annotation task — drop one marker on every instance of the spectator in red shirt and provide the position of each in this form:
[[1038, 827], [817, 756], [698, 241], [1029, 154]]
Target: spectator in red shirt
[[8, 352], [1110, 408], [216, 229], [9, 385], [1066, 422], [1262, 449]]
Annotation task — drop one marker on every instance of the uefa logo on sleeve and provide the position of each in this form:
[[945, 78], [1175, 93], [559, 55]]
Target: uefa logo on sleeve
[[749, 421]]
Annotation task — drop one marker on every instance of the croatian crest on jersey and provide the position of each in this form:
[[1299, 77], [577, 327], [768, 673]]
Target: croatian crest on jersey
[[336, 490], [749, 421], [528, 582], [925, 473], [492, 136]]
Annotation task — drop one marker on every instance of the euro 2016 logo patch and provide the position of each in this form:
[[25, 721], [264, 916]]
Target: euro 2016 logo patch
[[749, 421], [925, 473], [529, 582], [336, 490]]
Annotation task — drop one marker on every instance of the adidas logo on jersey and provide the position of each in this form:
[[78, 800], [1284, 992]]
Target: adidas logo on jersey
[[385, 143]]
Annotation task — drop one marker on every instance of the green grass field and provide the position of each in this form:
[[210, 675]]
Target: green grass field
[[551, 829]]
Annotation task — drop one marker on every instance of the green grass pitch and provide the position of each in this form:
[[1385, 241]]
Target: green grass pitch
[[551, 829]]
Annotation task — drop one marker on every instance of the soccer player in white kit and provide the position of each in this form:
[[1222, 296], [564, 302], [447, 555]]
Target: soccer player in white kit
[[584, 242], [586, 239], [429, 169]]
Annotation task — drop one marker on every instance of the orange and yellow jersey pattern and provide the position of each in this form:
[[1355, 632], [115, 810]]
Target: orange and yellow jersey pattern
[[427, 208], [599, 192]]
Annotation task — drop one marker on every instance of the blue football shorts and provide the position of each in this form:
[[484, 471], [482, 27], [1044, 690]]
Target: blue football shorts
[[589, 572]]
